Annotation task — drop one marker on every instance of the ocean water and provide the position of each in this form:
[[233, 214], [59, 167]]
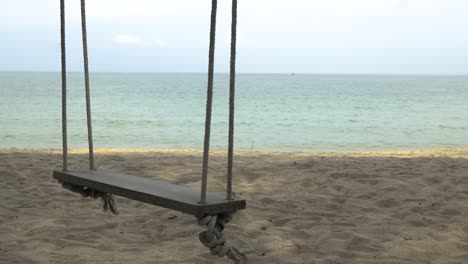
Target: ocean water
[[273, 112]]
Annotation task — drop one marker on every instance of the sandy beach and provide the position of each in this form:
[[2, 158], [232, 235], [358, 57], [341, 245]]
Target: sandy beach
[[379, 207]]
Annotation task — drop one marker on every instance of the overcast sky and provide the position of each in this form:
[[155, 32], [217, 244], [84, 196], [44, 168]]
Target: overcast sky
[[302, 36]]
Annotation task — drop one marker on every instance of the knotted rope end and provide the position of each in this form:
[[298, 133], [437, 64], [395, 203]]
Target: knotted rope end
[[214, 238]]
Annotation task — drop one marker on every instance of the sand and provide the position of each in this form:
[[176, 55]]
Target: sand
[[380, 207]]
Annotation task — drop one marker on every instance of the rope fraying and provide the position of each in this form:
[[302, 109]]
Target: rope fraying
[[107, 198], [214, 238]]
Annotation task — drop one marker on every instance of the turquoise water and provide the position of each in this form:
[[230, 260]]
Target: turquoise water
[[274, 112]]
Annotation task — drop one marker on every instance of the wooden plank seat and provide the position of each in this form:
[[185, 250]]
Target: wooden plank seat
[[163, 194]]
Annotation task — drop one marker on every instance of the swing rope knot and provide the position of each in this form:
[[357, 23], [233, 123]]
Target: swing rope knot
[[108, 202], [214, 238]]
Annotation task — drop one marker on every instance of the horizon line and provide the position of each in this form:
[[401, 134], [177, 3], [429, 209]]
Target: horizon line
[[245, 73]]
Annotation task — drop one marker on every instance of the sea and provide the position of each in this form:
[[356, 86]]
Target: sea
[[274, 112]]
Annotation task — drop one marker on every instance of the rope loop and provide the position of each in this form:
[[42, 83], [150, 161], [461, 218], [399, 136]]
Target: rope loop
[[108, 202], [215, 240]]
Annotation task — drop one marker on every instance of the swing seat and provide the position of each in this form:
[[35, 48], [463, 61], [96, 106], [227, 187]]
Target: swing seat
[[163, 194]]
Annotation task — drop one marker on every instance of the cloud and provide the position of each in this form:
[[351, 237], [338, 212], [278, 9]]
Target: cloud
[[134, 40], [128, 40]]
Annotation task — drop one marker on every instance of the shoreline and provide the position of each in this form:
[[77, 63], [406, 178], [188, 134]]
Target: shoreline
[[219, 152]]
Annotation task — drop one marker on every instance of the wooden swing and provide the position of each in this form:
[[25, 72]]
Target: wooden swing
[[211, 209]]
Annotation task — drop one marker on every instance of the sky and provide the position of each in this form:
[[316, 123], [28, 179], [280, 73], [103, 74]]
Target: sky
[[274, 36]]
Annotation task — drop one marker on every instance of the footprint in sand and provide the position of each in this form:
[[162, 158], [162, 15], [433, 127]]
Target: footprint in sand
[[450, 212], [352, 176], [465, 229], [364, 245], [339, 200], [387, 203]]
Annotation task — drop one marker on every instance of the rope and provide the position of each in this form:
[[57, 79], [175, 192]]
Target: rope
[[107, 198], [64, 86], [214, 238], [232, 89], [86, 75], [209, 101]]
